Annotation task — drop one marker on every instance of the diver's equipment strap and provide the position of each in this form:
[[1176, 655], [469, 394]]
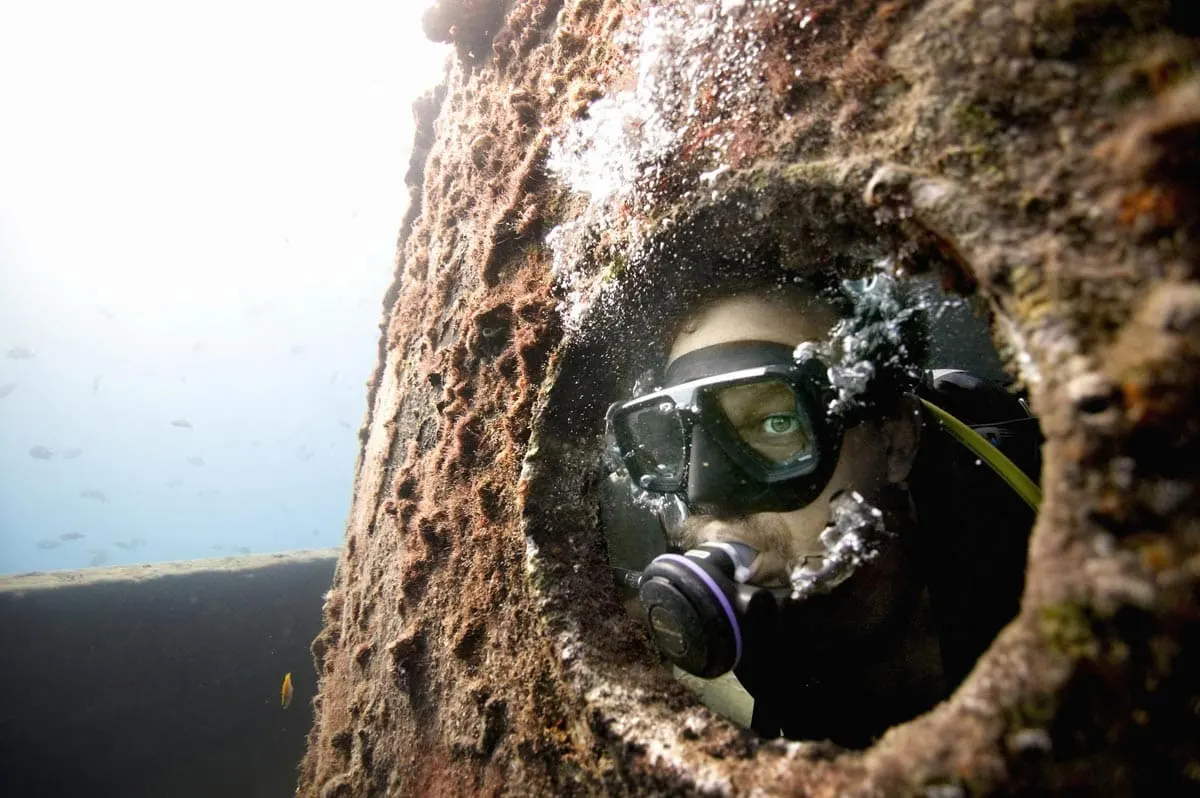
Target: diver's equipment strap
[[1006, 469]]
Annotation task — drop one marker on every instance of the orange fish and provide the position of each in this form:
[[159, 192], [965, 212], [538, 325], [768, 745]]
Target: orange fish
[[286, 696]]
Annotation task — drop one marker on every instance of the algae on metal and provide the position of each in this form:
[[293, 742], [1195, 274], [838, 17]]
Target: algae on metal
[[1040, 154]]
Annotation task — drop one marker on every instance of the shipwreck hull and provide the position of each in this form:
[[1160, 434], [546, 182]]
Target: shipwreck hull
[[1040, 155]]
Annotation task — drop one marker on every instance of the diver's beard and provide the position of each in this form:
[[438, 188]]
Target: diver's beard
[[816, 567], [863, 603], [856, 533], [767, 534], [815, 642], [855, 603]]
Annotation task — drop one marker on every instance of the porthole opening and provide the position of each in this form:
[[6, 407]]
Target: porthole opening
[[789, 505]]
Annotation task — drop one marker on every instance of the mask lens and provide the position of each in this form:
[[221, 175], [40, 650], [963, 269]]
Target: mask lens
[[768, 419], [657, 434]]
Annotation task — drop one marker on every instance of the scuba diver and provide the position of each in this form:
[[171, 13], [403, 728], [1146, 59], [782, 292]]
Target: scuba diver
[[846, 537]]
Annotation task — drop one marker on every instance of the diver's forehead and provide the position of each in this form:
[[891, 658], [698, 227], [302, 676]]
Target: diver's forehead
[[750, 318]]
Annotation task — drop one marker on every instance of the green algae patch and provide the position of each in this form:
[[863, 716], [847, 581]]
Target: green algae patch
[[975, 121], [1067, 629]]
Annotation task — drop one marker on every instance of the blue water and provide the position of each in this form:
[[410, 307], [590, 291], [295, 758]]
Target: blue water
[[199, 210]]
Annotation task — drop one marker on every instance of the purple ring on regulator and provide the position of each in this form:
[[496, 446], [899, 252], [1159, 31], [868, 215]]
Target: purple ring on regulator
[[708, 580]]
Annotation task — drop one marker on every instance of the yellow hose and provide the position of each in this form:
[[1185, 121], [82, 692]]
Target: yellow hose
[[996, 459]]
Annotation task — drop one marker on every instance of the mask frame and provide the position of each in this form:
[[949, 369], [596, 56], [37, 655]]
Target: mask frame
[[761, 485]]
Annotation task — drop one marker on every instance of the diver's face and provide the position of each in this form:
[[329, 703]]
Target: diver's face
[[785, 539]]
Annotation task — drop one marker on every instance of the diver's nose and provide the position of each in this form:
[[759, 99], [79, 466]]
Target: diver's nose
[[715, 487]]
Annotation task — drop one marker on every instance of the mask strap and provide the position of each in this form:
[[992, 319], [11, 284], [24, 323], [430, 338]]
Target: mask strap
[[996, 459]]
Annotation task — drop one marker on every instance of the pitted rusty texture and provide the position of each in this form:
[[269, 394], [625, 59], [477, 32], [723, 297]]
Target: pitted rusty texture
[[1040, 152]]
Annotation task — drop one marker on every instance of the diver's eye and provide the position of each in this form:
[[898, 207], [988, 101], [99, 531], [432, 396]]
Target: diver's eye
[[781, 424]]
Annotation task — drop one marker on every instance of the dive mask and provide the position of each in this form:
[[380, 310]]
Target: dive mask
[[740, 428]]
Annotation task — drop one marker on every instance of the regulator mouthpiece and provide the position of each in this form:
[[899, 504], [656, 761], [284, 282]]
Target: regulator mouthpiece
[[698, 611]]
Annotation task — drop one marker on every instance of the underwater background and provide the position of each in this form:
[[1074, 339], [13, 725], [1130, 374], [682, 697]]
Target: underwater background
[[198, 221], [199, 208]]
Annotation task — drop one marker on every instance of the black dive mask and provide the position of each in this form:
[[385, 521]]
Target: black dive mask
[[740, 428]]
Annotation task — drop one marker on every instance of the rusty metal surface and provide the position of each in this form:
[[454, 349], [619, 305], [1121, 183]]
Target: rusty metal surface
[[1043, 154]]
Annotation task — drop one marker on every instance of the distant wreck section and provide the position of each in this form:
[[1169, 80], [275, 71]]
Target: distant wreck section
[[1042, 155], [158, 679]]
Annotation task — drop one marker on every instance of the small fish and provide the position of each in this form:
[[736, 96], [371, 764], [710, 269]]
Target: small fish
[[71, 454], [285, 696], [344, 424], [99, 556], [196, 461], [181, 422], [92, 493], [19, 353], [71, 536], [40, 453], [174, 483], [243, 549], [96, 383], [297, 350], [48, 543], [7, 388], [334, 377]]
